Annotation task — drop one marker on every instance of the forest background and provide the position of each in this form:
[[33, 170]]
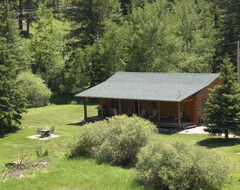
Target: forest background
[[107, 36], [73, 45]]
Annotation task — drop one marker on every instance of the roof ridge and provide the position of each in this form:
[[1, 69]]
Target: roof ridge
[[163, 73]]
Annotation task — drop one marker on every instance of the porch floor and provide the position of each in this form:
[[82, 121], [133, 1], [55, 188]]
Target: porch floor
[[94, 118], [174, 124]]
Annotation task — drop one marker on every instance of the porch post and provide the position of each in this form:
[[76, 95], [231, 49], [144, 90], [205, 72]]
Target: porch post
[[139, 111], [85, 108], [158, 106], [119, 107], [179, 119], [101, 101]]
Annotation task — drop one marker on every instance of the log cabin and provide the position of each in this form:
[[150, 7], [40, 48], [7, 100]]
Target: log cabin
[[168, 99]]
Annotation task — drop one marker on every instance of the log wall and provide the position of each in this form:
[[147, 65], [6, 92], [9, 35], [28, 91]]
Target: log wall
[[199, 115]]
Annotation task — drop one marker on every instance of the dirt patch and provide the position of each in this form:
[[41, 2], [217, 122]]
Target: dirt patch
[[23, 169], [38, 137]]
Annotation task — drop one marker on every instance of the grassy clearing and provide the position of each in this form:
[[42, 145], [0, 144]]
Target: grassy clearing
[[84, 173]]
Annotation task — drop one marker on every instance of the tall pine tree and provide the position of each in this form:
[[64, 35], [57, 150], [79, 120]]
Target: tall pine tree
[[46, 47], [88, 20], [11, 63], [223, 104], [227, 23], [88, 23]]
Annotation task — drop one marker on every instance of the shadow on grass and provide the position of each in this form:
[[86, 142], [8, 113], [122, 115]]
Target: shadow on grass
[[25, 34], [8, 131], [218, 142], [168, 131], [79, 123]]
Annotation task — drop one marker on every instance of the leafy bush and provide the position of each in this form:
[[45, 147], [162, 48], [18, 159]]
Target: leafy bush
[[115, 141], [180, 166], [34, 90]]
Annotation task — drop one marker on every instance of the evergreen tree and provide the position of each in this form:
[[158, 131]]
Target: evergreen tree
[[227, 23], [195, 31], [88, 23], [11, 63], [152, 45], [95, 63], [88, 20], [223, 104], [77, 75], [129, 5], [109, 53], [46, 47]]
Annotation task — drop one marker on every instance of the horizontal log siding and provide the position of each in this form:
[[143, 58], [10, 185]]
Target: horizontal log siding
[[189, 109], [146, 105], [169, 109], [106, 102], [127, 104], [198, 109]]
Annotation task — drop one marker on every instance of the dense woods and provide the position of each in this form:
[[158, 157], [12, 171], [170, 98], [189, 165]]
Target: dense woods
[[105, 36]]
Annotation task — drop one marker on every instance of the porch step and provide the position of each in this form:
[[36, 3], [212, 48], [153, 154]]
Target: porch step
[[188, 126]]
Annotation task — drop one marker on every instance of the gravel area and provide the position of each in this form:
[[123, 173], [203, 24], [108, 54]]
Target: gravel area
[[195, 130], [52, 136]]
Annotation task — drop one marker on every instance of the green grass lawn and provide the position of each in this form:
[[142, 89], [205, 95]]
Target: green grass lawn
[[67, 174]]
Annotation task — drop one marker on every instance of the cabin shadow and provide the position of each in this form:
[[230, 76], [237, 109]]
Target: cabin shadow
[[79, 123], [219, 142]]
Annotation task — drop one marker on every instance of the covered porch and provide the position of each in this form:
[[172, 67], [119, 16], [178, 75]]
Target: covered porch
[[162, 113]]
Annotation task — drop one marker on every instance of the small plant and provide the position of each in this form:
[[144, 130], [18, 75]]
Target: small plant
[[52, 130], [180, 166], [115, 141], [40, 152]]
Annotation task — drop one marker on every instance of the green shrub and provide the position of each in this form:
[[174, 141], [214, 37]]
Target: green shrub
[[115, 141], [33, 89], [180, 166]]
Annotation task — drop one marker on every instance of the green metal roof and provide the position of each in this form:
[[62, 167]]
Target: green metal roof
[[172, 87]]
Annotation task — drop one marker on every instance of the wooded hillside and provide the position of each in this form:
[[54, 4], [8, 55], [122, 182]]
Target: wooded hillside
[[73, 45]]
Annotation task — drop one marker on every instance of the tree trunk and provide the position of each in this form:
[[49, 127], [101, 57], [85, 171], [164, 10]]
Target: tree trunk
[[226, 134], [20, 16], [28, 24], [28, 16]]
